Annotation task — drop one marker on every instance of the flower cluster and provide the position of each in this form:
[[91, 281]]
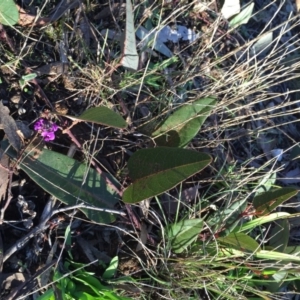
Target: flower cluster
[[46, 128]]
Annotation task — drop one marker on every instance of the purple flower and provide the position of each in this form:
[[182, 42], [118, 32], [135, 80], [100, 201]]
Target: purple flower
[[46, 128], [39, 124], [48, 135]]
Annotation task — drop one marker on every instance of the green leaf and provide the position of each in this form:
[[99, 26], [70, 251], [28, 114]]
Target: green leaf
[[112, 268], [263, 45], [260, 221], [29, 77], [227, 218], [157, 170], [92, 282], [266, 202], [183, 233], [184, 124], [9, 14], [104, 116], [240, 241], [243, 17], [63, 177], [48, 295], [292, 250], [280, 234], [86, 296], [266, 183], [68, 236], [130, 57], [274, 255]]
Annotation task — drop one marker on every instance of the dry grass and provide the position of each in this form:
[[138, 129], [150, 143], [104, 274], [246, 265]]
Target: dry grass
[[257, 112]]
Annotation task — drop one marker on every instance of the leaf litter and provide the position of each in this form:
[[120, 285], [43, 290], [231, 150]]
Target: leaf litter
[[89, 74]]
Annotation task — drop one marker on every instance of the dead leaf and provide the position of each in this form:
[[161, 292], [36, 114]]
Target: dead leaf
[[10, 127], [91, 252], [267, 145], [143, 237], [230, 8], [61, 8], [55, 68], [44, 278], [144, 205], [26, 19], [12, 280], [292, 176], [190, 194], [297, 4], [115, 10], [5, 39], [4, 178]]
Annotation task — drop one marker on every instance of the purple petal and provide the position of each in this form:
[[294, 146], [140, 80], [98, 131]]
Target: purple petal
[[54, 127], [39, 124], [48, 135]]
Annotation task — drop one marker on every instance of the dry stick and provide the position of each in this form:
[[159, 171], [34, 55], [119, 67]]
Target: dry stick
[[82, 205], [9, 197], [44, 224], [46, 215]]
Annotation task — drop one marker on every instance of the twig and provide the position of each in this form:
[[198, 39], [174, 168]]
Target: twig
[[108, 182], [9, 196], [46, 215], [82, 205], [44, 224]]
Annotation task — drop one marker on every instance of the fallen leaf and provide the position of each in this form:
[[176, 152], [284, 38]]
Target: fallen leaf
[[292, 176], [4, 178], [143, 237], [26, 19], [297, 4], [10, 128], [230, 8]]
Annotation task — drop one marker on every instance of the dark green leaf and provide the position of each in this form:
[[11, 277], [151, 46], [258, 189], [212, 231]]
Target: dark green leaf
[[104, 116], [292, 250], [280, 235], [184, 124], [266, 202], [183, 233], [157, 170], [9, 14], [63, 177], [240, 241], [92, 282]]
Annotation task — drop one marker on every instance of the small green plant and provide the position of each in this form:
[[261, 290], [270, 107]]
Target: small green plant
[[25, 79], [77, 283]]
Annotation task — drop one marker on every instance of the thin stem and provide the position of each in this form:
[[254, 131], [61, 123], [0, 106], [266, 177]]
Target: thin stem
[[108, 182]]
